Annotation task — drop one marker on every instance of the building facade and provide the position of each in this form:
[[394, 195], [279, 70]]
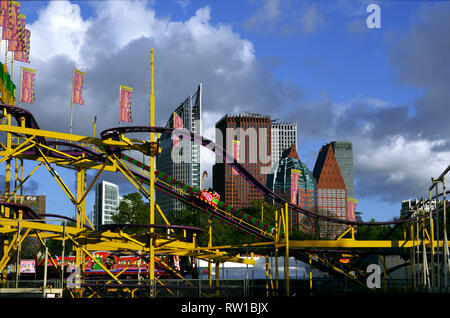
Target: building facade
[[343, 151], [300, 193], [181, 158], [106, 203], [248, 137], [331, 193], [283, 136]]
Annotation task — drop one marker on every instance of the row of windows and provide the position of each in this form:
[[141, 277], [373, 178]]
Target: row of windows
[[331, 202], [331, 192], [333, 212]]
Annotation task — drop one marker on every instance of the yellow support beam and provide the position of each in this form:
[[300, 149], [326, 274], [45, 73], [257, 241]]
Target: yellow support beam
[[63, 136], [357, 243]]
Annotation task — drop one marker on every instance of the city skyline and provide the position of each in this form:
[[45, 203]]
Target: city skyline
[[313, 62]]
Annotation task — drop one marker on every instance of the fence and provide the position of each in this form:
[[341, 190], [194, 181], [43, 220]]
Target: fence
[[199, 288]]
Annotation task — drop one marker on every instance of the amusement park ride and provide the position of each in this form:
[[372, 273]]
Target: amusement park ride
[[147, 252]]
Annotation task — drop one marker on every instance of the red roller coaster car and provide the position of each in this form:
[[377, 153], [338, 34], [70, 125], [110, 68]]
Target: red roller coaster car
[[208, 197]]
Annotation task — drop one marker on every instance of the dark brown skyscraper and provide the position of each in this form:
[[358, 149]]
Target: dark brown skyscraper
[[248, 137]]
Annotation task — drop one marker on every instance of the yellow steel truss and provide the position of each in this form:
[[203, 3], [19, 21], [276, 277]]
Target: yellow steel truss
[[86, 238]]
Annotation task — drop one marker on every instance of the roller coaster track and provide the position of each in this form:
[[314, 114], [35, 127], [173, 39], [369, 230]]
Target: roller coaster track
[[115, 133], [264, 233], [238, 219], [228, 214]]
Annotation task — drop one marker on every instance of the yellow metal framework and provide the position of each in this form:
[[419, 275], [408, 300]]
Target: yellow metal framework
[[86, 238]]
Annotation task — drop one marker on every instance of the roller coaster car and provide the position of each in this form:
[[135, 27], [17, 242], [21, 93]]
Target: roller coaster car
[[208, 197]]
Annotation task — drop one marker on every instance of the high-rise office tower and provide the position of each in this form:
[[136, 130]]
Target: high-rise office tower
[[247, 137], [106, 203], [293, 181], [181, 158], [343, 151], [283, 135], [331, 193]]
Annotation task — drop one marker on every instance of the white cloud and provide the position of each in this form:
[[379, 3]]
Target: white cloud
[[267, 15], [59, 29], [183, 3], [113, 48], [209, 120], [401, 162], [311, 20]]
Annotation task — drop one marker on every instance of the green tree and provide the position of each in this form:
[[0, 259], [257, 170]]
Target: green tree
[[132, 210]]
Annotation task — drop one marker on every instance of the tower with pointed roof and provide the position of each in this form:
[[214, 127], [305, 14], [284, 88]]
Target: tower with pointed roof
[[301, 194], [331, 192]]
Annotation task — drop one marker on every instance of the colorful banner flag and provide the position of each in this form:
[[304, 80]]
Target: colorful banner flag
[[24, 55], [351, 209], [21, 45], [77, 85], [177, 123], [295, 176], [125, 103], [15, 23], [11, 26], [236, 145], [6, 32], [4, 11], [27, 85]]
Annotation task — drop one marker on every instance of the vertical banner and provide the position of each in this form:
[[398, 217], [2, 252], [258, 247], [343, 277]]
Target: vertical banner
[[27, 85], [77, 85], [177, 123], [351, 209], [14, 19], [19, 37], [236, 145], [4, 10], [13, 25], [295, 176], [125, 103], [24, 54], [6, 31]]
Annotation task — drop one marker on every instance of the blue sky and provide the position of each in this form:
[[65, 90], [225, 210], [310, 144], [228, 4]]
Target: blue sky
[[304, 61]]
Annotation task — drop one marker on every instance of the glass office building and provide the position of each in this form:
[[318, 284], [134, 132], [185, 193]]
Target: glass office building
[[281, 183], [106, 203], [187, 168]]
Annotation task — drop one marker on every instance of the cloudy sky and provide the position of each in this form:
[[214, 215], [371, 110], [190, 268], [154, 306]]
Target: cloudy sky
[[313, 62]]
